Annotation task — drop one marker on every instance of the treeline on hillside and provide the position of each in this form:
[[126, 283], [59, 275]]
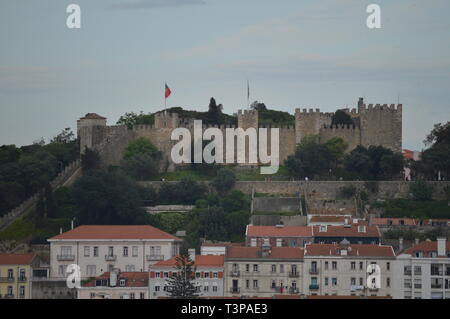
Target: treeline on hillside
[[329, 160], [27, 169], [214, 116]]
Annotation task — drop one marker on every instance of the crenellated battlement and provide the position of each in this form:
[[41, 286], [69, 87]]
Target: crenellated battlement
[[380, 107], [339, 127], [312, 112]]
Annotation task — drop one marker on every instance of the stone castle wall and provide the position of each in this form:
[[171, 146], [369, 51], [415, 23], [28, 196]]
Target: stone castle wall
[[374, 125]]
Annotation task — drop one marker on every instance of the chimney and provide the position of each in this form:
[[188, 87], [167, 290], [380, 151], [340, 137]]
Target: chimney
[[191, 253], [400, 244], [441, 243], [71, 224], [60, 230]]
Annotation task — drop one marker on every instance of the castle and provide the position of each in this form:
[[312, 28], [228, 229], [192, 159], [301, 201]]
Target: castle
[[373, 125]]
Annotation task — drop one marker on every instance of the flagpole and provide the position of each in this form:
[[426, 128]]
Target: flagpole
[[165, 99]]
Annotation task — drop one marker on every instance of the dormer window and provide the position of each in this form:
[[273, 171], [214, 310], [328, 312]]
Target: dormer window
[[361, 229], [122, 282], [323, 228]]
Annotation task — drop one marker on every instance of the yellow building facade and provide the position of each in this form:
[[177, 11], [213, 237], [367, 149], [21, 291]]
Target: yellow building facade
[[15, 275]]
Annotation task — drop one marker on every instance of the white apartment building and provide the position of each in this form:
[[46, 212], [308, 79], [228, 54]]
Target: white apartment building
[[423, 271], [208, 280], [341, 269], [100, 249], [263, 271]]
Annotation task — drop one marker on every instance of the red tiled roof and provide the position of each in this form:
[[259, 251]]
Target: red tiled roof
[[348, 297], [426, 247], [114, 232], [200, 261], [346, 231], [275, 252], [393, 221], [93, 116], [329, 219], [274, 231], [352, 250], [133, 279], [16, 259]]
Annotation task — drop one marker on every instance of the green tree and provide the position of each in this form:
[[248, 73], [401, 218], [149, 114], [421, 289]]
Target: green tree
[[186, 192], [182, 284], [421, 191], [90, 159], [141, 167], [340, 117], [131, 119], [224, 181], [310, 159], [104, 197], [336, 147], [141, 145]]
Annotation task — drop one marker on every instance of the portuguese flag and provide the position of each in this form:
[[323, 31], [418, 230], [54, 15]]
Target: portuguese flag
[[167, 92]]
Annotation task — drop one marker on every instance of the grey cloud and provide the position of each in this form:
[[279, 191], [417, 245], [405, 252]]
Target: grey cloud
[[148, 4]]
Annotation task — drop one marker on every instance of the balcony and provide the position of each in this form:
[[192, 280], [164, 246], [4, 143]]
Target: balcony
[[294, 274], [313, 271], [313, 287], [110, 257], [356, 287], [407, 273], [435, 272], [436, 286], [65, 257], [22, 279], [9, 296], [155, 257], [417, 286], [6, 279], [235, 290], [293, 290], [235, 273]]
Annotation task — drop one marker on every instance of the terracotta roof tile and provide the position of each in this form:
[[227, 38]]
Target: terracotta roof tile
[[16, 259], [114, 232], [274, 231], [346, 231], [200, 261], [393, 221], [352, 250], [426, 247], [274, 252]]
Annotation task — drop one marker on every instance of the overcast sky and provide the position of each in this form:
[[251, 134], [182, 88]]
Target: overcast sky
[[306, 54]]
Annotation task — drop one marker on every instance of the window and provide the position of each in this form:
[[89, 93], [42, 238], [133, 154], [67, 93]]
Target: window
[[142, 295], [122, 282], [22, 291], [206, 288], [110, 251], [134, 251], [353, 281], [207, 274], [334, 265], [125, 251], [388, 266], [281, 268], [255, 267], [62, 270], [361, 281], [90, 270], [155, 250], [95, 253], [92, 295], [417, 270], [166, 275], [157, 274], [273, 285], [247, 284], [326, 281], [86, 251], [388, 282], [197, 274], [353, 265], [326, 265], [130, 268], [66, 250], [157, 288], [132, 295], [274, 268], [214, 288], [215, 275], [361, 265], [247, 267], [255, 284], [334, 281]]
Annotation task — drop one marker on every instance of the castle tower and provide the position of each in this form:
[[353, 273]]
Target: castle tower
[[165, 119], [247, 118], [308, 122], [381, 125], [86, 127]]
